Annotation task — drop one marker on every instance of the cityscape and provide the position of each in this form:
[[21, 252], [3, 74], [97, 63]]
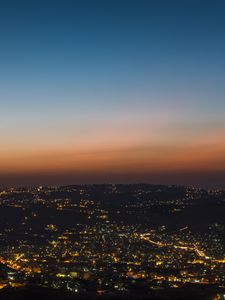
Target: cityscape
[[113, 240], [112, 149]]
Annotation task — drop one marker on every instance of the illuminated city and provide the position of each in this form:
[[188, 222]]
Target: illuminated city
[[112, 149], [113, 239]]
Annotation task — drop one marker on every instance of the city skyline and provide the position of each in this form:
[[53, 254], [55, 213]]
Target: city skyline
[[111, 91]]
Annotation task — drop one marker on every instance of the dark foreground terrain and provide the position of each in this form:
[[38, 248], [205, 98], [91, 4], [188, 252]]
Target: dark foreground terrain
[[185, 293]]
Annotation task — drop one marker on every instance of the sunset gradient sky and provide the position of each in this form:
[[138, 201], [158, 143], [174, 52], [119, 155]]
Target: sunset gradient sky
[[112, 91]]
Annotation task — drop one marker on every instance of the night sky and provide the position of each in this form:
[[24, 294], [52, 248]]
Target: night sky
[[112, 91]]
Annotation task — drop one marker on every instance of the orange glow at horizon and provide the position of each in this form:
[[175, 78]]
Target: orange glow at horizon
[[115, 154]]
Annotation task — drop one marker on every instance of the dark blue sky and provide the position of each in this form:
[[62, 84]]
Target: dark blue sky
[[90, 77]]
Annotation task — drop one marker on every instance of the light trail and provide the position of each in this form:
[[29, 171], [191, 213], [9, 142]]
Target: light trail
[[199, 252]]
